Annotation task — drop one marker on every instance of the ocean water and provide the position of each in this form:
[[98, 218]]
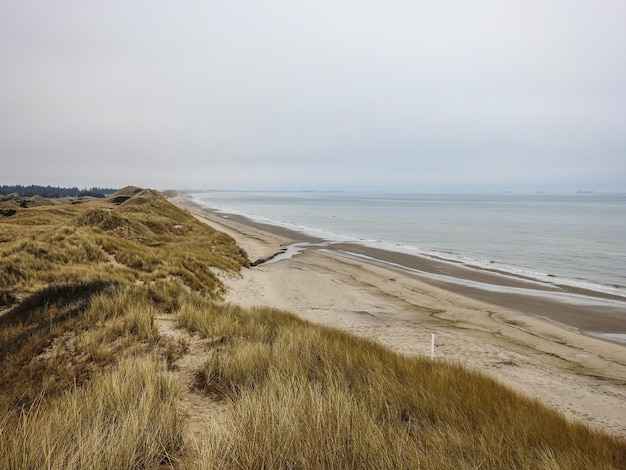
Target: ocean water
[[573, 239]]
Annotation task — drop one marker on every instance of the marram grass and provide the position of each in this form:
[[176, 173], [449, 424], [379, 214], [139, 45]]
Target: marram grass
[[127, 418], [309, 397], [86, 380]]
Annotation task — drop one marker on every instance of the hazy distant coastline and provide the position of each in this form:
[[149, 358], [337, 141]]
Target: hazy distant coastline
[[325, 284], [588, 308]]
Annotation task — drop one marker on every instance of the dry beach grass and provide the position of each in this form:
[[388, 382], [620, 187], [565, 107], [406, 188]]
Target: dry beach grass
[[304, 396], [118, 351], [581, 376]]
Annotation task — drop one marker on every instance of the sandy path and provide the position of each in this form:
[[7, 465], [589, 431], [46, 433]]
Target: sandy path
[[199, 410], [582, 377]]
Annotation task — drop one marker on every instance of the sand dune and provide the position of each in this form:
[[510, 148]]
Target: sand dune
[[581, 376]]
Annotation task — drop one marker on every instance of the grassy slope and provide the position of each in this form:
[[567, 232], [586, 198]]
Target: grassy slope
[[86, 381], [80, 287]]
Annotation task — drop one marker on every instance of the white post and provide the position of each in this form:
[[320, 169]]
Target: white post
[[432, 346]]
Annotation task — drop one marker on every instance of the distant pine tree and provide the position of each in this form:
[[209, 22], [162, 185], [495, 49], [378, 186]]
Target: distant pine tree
[[54, 192]]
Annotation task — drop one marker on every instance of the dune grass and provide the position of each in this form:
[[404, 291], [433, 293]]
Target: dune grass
[[127, 418], [310, 397], [143, 239], [83, 380], [86, 381]]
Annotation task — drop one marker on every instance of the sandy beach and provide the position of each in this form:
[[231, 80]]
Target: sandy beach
[[521, 340]]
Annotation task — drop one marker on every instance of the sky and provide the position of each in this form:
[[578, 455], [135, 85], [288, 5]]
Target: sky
[[446, 96]]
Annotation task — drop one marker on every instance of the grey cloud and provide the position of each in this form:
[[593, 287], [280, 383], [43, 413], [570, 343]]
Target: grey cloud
[[342, 94]]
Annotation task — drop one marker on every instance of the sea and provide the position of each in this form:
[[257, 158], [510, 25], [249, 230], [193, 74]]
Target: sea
[[576, 239]]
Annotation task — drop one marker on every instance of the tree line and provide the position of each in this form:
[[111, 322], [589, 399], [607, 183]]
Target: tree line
[[54, 192]]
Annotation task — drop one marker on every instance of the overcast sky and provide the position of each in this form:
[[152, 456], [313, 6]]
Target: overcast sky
[[377, 95]]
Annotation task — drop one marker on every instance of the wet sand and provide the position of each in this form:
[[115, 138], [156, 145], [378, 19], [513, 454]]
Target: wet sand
[[588, 312], [518, 332]]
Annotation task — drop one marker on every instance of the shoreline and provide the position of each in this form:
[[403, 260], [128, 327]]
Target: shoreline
[[581, 376], [593, 313], [592, 284]]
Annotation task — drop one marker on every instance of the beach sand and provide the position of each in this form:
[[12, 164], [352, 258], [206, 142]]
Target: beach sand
[[516, 339]]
